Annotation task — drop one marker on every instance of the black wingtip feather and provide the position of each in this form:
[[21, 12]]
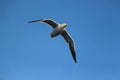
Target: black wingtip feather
[[34, 21]]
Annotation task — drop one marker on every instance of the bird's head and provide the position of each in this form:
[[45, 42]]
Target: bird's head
[[64, 25]]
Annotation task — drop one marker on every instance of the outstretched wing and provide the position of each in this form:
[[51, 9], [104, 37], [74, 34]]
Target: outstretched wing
[[48, 21], [69, 40]]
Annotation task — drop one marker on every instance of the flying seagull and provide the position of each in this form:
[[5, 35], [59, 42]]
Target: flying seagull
[[59, 29]]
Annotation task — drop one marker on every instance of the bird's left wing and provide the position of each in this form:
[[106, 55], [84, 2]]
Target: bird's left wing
[[48, 21], [69, 40]]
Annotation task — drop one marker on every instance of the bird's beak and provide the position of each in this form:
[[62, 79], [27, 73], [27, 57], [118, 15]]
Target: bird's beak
[[33, 21]]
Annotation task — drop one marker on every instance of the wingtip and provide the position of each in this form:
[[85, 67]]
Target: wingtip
[[26, 22], [31, 21], [34, 21], [75, 61]]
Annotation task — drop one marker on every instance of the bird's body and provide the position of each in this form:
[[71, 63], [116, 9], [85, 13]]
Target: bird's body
[[59, 29]]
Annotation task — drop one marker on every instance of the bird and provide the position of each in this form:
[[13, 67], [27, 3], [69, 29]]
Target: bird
[[59, 29]]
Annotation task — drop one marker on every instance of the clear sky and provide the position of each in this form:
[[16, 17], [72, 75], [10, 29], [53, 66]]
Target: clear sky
[[27, 52]]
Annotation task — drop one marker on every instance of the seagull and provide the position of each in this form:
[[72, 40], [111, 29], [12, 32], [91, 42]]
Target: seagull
[[59, 29]]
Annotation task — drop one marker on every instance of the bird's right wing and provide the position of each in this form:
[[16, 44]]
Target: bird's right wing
[[48, 21], [69, 40]]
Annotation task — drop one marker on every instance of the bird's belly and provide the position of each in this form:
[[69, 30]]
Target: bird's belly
[[56, 32]]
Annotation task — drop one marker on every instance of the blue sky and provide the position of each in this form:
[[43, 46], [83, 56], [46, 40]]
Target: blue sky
[[27, 52]]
